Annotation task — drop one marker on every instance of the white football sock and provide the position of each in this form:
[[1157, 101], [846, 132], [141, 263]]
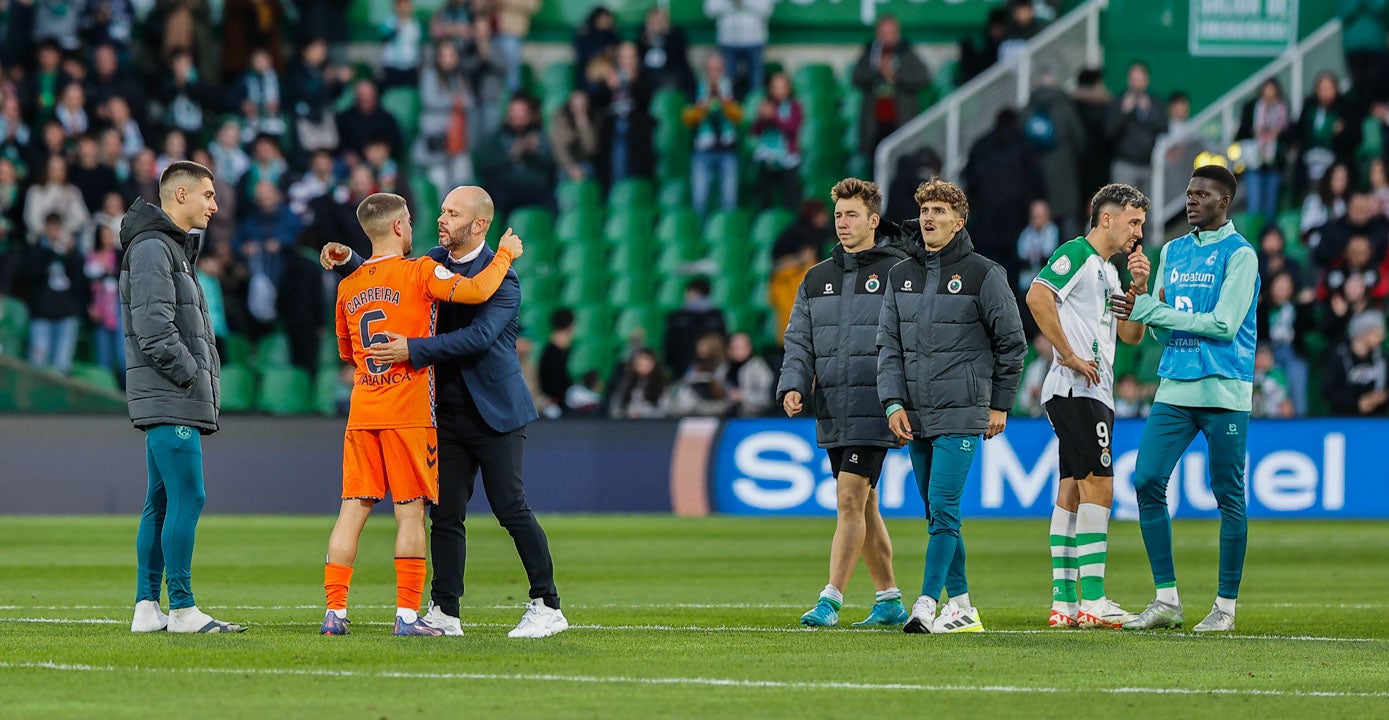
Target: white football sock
[[1225, 605]]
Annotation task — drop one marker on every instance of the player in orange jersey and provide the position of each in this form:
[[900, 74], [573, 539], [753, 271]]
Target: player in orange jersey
[[390, 440]]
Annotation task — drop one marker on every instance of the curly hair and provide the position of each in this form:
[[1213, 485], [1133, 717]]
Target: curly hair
[[864, 190], [937, 190], [1120, 195]]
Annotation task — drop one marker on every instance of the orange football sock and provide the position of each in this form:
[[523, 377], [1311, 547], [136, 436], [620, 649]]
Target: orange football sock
[[409, 582], [336, 580]]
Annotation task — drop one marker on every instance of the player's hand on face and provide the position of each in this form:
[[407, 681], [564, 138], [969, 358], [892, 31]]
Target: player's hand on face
[[998, 419], [900, 426], [791, 403], [1122, 304], [333, 254], [512, 242], [1141, 268], [1088, 369], [395, 350]]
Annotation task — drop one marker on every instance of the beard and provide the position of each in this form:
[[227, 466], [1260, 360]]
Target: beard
[[455, 239]]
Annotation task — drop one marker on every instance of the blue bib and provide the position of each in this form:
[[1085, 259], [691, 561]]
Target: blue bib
[[1194, 276]]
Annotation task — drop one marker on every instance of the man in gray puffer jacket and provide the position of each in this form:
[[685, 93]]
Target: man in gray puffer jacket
[[950, 352], [832, 356], [172, 374]]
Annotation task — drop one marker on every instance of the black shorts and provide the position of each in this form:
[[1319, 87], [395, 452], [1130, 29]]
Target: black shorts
[[864, 460], [1085, 436]]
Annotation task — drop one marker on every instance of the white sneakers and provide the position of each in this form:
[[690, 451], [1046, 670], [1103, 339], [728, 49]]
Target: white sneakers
[[923, 616], [439, 620], [193, 620], [148, 617], [956, 619], [540, 621]]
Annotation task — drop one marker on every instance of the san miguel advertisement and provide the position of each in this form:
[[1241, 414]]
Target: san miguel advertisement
[[1332, 468]]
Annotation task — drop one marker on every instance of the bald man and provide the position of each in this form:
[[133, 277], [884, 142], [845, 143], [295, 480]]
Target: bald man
[[483, 408]]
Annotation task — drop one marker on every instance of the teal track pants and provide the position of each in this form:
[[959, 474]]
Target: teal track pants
[[1166, 435], [941, 465], [173, 503]]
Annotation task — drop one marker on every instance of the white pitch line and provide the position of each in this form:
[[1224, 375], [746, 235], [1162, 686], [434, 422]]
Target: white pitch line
[[1216, 637], [714, 682]]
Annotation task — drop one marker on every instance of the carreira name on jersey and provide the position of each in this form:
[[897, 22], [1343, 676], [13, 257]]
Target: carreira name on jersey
[[373, 294]]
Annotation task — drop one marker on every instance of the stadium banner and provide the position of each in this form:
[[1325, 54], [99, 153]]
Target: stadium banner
[[1316, 468], [1250, 28]]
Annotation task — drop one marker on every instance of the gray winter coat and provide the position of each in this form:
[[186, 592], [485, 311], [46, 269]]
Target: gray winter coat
[[950, 341], [831, 348], [172, 371]]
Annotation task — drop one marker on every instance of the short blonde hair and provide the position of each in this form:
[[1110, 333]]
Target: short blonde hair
[[937, 190], [864, 190], [378, 211]]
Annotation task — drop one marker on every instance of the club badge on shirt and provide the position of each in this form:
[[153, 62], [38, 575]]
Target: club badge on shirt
[[954, 286], [872, 285]]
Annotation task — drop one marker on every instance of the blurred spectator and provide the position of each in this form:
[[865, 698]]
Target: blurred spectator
[[623, 101], [702, 390], [1328, 202], [1379, 185], [222, 228], [1284, 321], [175, 149], [318, 181], [94, 180], [110, 213], [260, 98], [232, 161], [796, 250], [102, 268], [1264, 123], [1023, 25], [1352, 298], [56, 22], [209, 274], [39, 95], [335, 214], [446, 109], [749, 380], [452, 22], [267, 164], [517, 162], [1325, 132], [715, 117], [58, 296], [402, 38], [525, 353], [1357, 260], [594, 39], [513, 25], [977, 55], [1270, 387], [694, 319], [143, 182], [585, 398], [72, 110], [186, 27], [638, 394], [389, 178], [1093, 101], [132, 139], [1356, 375], [1036, 243], [1002, 179], [108, 79], [246, 26], [107, 22], [1178, 111], [913, 168], [111, 154], [366, 120], [554, 362], [1363, 33], [1034, 373], [54, 195], [1057, 133], [485, 66], [1134, 123], [313, 88], [263, 237], [665, 53], [12, 226], [185, 96], [1273, 257], [574, 137], [890, 75], [301, 303], [14, 132], [777, 152], [1362, 217], [741, 32], [1129, 398], [52, 143]]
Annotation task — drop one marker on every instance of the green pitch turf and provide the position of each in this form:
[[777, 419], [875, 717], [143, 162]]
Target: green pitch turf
[[685, 618]]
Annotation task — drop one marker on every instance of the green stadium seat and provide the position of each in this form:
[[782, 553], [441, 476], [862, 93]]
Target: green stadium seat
[[576, 259], [667, 106], [633, 290], [273, 351], [14, 326], [96, 376], [769, 224], [325, 394], [578, 193], [579, 227], [671, 294], [594, 319], [650, 319], [284, 391], [238, 348], [726, 226], [589, 287], [328, 360], [238, 388], [556, 79], [531, 224], [750, 320], [592, 354], [678, 226], [674, 194], [630, 194], [403, 103], [629, 224], [815, 80]]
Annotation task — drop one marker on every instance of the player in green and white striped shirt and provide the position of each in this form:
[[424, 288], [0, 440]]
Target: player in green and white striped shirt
[[1070, 301]]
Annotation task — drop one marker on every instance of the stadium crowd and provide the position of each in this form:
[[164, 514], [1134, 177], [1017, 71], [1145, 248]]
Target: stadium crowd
[[97, 97]]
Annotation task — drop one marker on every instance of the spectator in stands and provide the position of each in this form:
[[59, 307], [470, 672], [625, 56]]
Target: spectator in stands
[[1363, 33], [554, 363], [1057, 132], [313, 88], [574, 137], [693, 320], [641, 389], [1271, 396], [1326, 131], [1273, 257], [748, 379], [108, 79], [402, 38], [1284, 322], [209, 274], [267, 233], [1357, 259], [525, 354], [741, 32], [366, 120], [300, 302], [1379, 185], [111, 154], [109, 213], [71, 111], [186, 27], [185, 98], [1340, 306], [1028, 402], [56, 22], [39, 93], [14, 132], [595, 39], [143, 182], [107, 22], [1357, 376], [1129, 400], [702, 390], [913, 168], [890, 75], [978, 56], [1327, 203], [485, 66], [12, 227], [1178, 112], [132, 138], [54, 195], [452, 22], [665, 53], [1134, 123], [715, 117], [268, 164], [102, 268], [777, 152], [94, 180], [246, 26], [623, 100], [796, 250], [261, 98], [58, 296], [585, 397], [232, 161], [517, 162], [1036, 243], [447, 110], [377, 156], [1093, 101], [51, 143], [320, 180], [1002, 179], [1023, 25], [222, 227], [513, 25], [175, 149], [1265, 122], [1363, 217], [335, 213]]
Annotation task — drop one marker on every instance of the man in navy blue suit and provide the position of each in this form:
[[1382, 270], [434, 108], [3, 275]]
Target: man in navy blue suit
[[483, 407]]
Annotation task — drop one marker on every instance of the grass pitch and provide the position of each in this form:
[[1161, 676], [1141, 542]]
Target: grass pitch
[[685, 618]]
